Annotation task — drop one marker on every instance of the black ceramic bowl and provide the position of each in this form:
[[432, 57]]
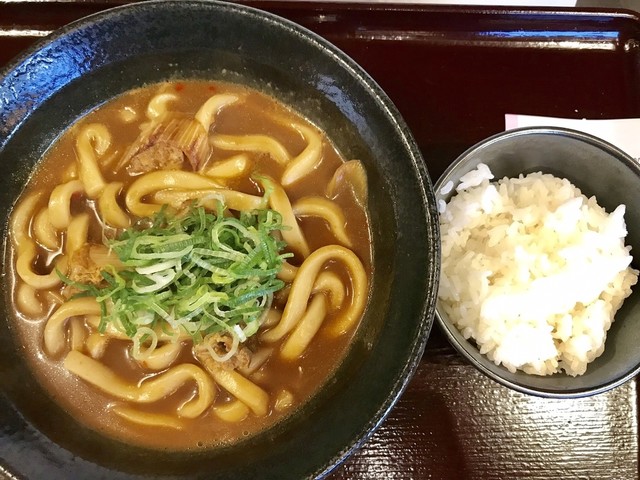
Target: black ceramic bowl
[[95, 59], [596, 168]]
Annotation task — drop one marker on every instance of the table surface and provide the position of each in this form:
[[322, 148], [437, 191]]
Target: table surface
[[454, 72]]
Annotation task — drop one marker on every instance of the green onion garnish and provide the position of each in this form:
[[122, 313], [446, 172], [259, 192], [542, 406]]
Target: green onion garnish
[[200, 273]]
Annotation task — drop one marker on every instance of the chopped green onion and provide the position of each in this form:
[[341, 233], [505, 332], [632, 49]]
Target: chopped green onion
[[200, 272]]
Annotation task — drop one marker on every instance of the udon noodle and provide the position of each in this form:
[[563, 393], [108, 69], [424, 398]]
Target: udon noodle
[[189, 264]]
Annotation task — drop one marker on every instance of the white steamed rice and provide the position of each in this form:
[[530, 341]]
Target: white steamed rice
[[532, 270]]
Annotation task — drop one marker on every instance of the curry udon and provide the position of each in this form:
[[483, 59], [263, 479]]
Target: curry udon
[[189, 263]]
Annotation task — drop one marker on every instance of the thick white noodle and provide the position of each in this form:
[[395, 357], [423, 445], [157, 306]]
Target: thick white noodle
[[54, 330], [292, 234], [24, 268], [44, 232], [60, 203], [254, 144], [151, 389], [110, 211], [165, 179], [206, 115], [329, 211], [307, 161], [157, 106], [302, 286], [94, 139], [21, 217]]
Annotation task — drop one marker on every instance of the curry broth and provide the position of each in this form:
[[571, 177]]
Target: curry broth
[[301, 377]]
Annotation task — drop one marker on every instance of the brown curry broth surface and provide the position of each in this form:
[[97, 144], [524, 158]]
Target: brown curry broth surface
[[302, 377]]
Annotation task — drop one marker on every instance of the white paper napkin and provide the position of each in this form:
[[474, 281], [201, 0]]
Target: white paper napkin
[[623, 133]]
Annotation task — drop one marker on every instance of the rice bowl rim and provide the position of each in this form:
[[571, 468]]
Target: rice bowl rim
[[465, 158], [464, 163]]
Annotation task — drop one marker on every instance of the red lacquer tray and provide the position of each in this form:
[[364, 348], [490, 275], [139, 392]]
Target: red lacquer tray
[[454, 72]]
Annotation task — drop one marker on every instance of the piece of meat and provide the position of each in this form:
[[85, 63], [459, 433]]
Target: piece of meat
[[221, 344], [157, 157], [169, 140], [85, 265], [82, 267]]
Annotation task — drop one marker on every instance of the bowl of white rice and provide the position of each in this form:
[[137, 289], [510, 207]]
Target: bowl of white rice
[[539, 229]]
